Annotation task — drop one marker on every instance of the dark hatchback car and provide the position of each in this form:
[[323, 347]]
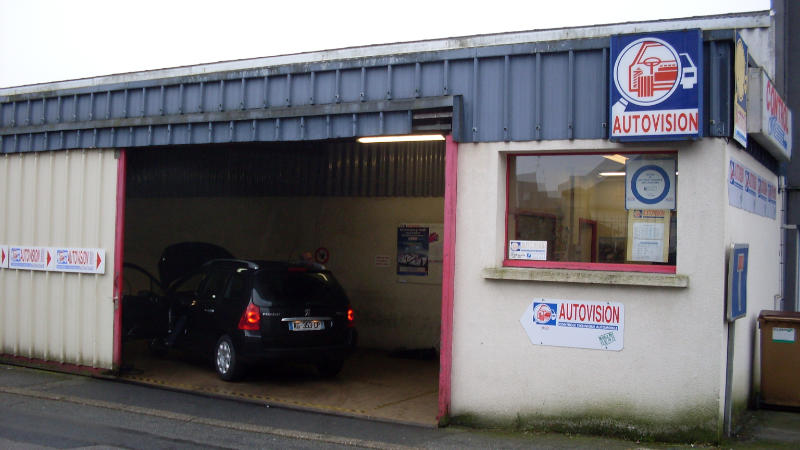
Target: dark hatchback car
[[245, 311]]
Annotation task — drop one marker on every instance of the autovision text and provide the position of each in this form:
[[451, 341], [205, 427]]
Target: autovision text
[[582, 312], [661, 122], [26, 255]]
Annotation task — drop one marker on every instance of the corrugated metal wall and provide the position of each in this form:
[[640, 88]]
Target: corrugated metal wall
[[538, 90], [341, 169], [68, 199]]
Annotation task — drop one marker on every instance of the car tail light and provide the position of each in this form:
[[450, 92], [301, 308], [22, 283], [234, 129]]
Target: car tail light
[[351, 317], [251, 318]]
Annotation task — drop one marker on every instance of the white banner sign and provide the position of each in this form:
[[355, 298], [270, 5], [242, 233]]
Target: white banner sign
[[579, 324], [58, 259], [30, 258], [81, 260]]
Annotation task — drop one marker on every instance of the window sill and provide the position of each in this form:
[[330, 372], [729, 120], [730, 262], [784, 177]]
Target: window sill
[[586, 277]]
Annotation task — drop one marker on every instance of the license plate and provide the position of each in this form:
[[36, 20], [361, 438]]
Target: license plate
[[306, 325]]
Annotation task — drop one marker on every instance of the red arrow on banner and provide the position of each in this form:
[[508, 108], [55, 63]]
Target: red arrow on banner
[[48, 258], [98, 260], [3, 257]]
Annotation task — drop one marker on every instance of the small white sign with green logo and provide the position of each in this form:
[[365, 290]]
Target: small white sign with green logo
[[783, 335]]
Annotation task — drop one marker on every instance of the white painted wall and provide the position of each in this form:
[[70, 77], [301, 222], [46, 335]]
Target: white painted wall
[[65, 198], [763, 278], [389, 314], [671, 370]]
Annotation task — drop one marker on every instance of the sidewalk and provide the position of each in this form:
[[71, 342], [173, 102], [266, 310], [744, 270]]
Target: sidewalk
[[766, 429], [770, 428]]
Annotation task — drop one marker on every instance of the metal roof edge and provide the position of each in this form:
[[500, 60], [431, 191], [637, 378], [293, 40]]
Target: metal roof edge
[[755, 19]]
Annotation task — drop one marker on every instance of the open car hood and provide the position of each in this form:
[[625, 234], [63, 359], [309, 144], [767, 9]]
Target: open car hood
[[182, 259]]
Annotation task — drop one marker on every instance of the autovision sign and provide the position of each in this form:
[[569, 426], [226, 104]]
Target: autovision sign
[[656, 86], [58, 259], [575, 323]]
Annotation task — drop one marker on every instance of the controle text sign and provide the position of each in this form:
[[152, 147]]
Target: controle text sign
[[58, 259], [656, 86], [575, 323]]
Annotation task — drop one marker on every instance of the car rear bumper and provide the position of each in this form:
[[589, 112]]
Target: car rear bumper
[[253, 350]]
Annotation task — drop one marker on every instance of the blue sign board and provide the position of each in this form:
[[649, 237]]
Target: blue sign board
[[737, 282], [740, 83], [656, 86]]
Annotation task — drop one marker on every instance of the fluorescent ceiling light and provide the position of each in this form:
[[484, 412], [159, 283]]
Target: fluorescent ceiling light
[[403, 138], [616, 158], [612, 174]]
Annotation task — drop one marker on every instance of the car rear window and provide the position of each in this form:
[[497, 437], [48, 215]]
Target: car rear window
[[292, 288]]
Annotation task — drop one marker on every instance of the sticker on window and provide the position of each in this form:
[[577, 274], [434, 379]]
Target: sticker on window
[[528, 250]]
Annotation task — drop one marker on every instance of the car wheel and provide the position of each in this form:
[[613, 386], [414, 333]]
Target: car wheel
[[330, 368], [226, 361]]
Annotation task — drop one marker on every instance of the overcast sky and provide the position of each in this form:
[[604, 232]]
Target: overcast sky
[[55, 40]]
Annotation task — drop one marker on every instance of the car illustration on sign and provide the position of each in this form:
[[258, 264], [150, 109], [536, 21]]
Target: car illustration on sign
[[649, 70], [545, 314], [656, 87]]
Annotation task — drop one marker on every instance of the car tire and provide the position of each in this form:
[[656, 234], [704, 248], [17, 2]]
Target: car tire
[[226, 361], [330, 368]]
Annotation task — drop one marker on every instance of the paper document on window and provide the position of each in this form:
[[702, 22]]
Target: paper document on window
[[648, 235]]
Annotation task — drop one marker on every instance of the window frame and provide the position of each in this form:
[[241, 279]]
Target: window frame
[[570, 265]]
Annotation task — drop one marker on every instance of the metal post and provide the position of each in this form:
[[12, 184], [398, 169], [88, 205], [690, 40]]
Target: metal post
[[728, 414]]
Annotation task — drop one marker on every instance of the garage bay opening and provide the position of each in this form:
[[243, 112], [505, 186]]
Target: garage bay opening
[[366, 219]]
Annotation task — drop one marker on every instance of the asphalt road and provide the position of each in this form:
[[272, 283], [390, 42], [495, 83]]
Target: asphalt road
[[42, 409]]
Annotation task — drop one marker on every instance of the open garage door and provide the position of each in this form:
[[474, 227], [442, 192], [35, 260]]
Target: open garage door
[[371, 214]]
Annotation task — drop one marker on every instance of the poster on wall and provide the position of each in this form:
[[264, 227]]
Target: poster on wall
[[656, 85], [740, 81], [735, 183], [750, 191], [648, 235], [772, 200], [420, 252], [650, 184], [761, 199], [575, 323]]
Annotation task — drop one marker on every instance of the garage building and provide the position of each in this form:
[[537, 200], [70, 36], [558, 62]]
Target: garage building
[[556, 287]]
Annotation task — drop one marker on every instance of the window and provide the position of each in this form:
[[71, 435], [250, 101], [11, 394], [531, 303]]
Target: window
[[592, 211], [290, 288], [214, 284], [237, 284]]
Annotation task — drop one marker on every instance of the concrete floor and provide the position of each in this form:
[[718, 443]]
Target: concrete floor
[[372, 384]]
